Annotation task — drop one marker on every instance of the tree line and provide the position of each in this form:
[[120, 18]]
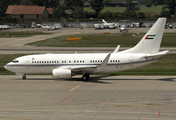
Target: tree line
[[76, 6]]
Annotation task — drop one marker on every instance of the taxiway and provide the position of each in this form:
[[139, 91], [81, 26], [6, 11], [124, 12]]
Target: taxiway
[[100, 98]]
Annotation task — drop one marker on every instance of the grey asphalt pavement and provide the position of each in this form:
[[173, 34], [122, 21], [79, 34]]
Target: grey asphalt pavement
[[100, 98]]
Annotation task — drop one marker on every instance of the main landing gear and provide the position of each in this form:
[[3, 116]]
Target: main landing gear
[[85, 77]]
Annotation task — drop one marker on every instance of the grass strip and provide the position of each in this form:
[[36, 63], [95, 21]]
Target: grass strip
[[21, 34], [143, 8], [103, 40]]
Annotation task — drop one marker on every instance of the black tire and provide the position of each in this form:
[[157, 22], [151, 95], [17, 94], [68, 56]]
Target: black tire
[[24, 77], [85, 77]]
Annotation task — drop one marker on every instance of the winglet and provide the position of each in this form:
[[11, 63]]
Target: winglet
[[117, 49], [105, 61]]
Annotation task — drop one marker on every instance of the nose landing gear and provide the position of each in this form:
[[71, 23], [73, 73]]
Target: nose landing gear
[[24, 77]]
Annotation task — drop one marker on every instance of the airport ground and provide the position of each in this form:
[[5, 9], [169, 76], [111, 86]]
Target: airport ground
[[17, 45], [41, 97], [100, 98]]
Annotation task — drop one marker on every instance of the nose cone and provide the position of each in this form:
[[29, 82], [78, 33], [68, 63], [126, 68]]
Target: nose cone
[[7, 67]]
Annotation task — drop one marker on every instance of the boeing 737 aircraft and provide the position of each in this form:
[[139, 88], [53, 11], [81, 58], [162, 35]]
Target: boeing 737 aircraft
[[68, 65]]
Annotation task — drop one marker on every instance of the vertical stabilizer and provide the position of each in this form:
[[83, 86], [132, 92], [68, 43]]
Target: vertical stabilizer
[[151, 41], [104, 21]]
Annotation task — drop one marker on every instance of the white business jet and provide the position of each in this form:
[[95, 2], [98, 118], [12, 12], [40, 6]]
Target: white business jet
[[108, 25], [68, 65]]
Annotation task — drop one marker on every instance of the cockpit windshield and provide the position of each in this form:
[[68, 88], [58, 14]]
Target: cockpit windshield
[[15, 61], [123, 26]]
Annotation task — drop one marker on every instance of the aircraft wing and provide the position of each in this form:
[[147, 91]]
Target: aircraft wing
[[86, 68]]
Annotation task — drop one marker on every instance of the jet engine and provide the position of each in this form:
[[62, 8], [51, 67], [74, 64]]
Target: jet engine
[[61, 73]]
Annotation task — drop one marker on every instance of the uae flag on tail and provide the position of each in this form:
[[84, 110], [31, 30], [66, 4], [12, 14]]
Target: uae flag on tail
[[150, 36]]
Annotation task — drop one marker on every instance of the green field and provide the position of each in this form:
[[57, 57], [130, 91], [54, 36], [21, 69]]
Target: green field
[[143, 8], [20, 34], [166, 66], [103, 40]]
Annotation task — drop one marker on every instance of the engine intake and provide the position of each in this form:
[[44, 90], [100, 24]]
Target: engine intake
[[61, 73]]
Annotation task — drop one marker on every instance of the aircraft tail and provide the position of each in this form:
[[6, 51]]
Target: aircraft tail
[[104, 21], [151, 41]]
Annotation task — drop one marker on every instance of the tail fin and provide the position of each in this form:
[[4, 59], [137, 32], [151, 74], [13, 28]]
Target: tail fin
[[151, 41], [104, 21]]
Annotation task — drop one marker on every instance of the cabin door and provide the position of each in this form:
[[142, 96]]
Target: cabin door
[[131, 59], [27, 61]]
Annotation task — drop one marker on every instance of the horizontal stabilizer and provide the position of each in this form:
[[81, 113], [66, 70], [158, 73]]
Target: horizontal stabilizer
[[159, 54]]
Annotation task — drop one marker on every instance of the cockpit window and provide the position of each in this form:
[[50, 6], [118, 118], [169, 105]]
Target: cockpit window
[[15, 61]]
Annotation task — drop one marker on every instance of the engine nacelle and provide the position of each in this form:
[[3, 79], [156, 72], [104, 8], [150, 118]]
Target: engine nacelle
[[61, 73]]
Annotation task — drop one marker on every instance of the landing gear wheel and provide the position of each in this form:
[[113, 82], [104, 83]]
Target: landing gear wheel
[[85, 77], [24, 77]]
